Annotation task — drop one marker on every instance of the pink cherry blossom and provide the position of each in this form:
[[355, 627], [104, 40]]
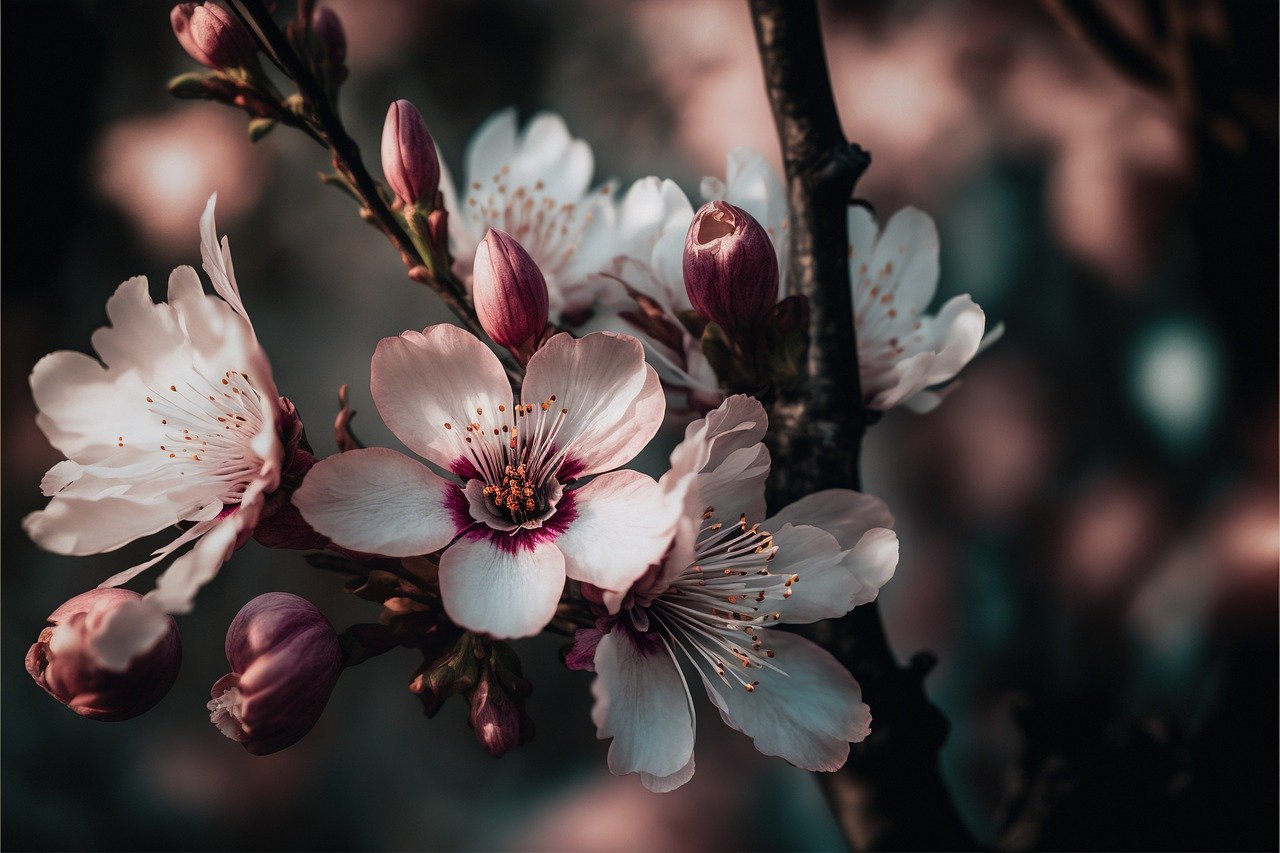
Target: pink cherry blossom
[[514, 524]]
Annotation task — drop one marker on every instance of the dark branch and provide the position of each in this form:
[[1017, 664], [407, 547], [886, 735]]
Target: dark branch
[[890, 794], [1094, 25]]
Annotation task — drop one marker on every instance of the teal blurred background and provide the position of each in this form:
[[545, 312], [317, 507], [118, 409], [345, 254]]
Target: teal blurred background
[[1089, 522]]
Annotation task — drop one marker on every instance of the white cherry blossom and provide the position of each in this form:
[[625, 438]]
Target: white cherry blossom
[[709, 607], [904, 353], [176, 424], [515, 523]]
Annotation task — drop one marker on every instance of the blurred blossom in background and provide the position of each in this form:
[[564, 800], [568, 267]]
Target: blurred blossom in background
[[1089, 522]]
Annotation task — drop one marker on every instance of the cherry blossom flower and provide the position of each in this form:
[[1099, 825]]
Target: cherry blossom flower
[[903, 353], [517, 524], [535, 184], [711, 604], [176, 424]]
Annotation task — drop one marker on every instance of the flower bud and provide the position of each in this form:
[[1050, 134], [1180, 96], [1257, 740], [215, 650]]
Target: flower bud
[[211, 35], [409, 159], [326, 24], [498, 716], [285, 661], [730, 267], [65, 663], [510, 294]]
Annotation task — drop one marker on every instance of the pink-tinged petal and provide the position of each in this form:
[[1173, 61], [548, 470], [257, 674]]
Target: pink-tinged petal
[[503, 592], [873, 560], [624, 525], [378, 501], [176, 587], [666, 784], [132, 629], [722, 463], [422, 381], [948, 342], [643, 703], [808, 716], [843, 513], [613, 399]]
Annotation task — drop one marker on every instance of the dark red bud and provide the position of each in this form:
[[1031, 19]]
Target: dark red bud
[[730, 267], [212, 35], [285, 661]]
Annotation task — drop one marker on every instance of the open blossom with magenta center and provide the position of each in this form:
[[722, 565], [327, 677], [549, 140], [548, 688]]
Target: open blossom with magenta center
[[177, 423], [514, 524], [712, 603]]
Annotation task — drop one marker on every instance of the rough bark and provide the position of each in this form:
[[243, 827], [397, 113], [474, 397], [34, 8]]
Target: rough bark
[[890, 793]]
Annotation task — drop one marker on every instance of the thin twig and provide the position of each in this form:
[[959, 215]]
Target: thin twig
[[889, 794], [348, 162]]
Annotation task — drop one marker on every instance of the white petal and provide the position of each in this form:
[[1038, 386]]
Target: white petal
[[441, 375], [614, 400], [491, 146], [643, 703], [216, 259], [843, 513], [808, 716], [176, 587], [141, 333], [623, 526], [504, 593], [379, 501], [79, 521], [830, 581], [910, 243]]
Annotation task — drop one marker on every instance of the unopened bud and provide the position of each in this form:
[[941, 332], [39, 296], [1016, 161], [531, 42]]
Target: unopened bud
[[285, 661], [499, 718], [211, 35], [510, 294], [730, 267], [65, 663], [409, 159], [326, 24]]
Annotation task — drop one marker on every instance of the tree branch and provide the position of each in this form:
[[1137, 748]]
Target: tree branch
[[890, 794], [348, 162]]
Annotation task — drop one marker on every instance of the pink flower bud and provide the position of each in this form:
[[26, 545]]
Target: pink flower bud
[[64, 662], [730, 267], [510, 294], [326, 24], [211, 35], [499, 719], [409, 158], [285, 661]]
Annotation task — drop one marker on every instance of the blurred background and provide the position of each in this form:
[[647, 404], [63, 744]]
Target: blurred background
[[1089, 522]]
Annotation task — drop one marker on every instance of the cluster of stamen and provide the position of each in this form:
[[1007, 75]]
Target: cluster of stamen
[[713, 611], [516, 455], [207, 426]]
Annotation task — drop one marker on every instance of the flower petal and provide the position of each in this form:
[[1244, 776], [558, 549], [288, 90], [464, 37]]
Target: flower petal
[[504, 593], [623, 526], [830, 581], [808, 716], [614, 400], [441, 375], [379, 501], [643, 703], [843, 513]]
